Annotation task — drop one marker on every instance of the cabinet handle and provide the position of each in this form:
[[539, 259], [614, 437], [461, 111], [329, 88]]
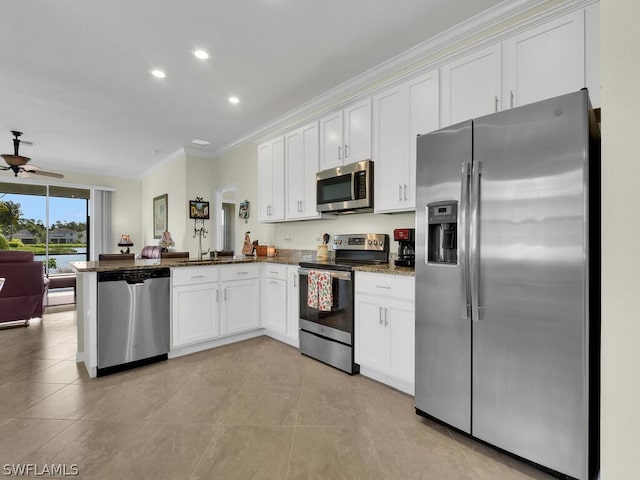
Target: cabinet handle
[[242, 273], [275, 273], [339, 152], [405, 192], [399, 192], [383, 286], [295, 280], [346, 150], [225, 294], [195, 277], [511, 98], [301, 206], [217, 295], [386, 317], [380, 315], [273, 282], [496, 102]]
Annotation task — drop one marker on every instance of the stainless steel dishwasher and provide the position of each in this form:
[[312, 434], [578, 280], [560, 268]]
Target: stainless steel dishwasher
[[133, 318]]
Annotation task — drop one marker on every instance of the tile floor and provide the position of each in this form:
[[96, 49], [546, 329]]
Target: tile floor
[[255, 409]]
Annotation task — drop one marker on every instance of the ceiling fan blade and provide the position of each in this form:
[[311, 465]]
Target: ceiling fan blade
[[30, 168], [46, 174], [26, 142], [23, 174]]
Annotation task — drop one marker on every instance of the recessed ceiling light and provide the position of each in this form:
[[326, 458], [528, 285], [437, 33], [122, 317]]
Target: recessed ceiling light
[[234, 100], [158, 73], [200, 54], [197, 141]]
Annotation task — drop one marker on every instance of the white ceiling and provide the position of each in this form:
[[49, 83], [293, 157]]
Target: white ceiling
[[74, 74]]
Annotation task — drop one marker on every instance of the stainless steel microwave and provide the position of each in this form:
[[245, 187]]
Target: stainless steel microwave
[[345, 189]]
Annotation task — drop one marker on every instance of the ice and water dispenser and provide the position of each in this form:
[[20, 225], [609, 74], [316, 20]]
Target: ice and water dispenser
[[442, 219]]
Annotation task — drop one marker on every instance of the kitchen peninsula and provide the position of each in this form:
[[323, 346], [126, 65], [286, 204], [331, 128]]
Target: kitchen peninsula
[[212, 302]]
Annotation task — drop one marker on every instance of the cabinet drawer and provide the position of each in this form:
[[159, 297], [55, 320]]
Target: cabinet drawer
[[238, 272], [194, 275], [395, 286], [276, 272]]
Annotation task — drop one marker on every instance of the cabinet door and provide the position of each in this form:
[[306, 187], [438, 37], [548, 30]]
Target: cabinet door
[[194, 313], [592, 52], [357, 132], [311, 166], [239, 306], [293, 303], [331, 147], [275, 305], [277, 179], [271, 180], [424, 117], [302, 164], [371, 335], [265, 182], [391, 148], [471, 86], [545, 61], [294, 174], [400, 323]]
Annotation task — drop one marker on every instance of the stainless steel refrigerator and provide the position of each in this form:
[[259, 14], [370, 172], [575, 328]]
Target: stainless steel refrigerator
[[507, 281]]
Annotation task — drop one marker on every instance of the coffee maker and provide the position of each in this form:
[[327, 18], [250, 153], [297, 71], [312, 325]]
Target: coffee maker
[[407, 248]]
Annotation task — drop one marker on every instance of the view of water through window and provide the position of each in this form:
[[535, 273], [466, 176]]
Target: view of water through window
[[57, 235]]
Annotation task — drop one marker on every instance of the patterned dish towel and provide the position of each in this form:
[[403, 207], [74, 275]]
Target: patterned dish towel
[[319, 294]]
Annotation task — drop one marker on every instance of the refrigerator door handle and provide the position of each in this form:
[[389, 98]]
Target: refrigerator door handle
[[474, 239], [462, 240]]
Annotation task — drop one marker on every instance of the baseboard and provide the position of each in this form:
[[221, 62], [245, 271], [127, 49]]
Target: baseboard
[[294, 342], [81, 357], [216, 342], [398, 384]]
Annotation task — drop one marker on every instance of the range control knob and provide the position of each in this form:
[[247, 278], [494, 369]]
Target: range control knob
[[369, 242]]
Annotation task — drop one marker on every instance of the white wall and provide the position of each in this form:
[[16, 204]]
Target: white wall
[[620, 438], [199, 183], [169, 178]]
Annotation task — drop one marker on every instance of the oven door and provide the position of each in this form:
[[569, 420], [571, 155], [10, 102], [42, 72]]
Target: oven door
[[336, 323]]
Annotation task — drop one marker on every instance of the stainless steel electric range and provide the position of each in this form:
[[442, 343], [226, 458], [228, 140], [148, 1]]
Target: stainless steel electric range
[[327, 324]]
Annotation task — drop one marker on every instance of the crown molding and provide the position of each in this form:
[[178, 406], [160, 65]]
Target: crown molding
[[168, 159], [430, 54]]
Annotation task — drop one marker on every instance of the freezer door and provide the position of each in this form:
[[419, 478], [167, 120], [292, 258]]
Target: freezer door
[[530, 340], [443, 334]]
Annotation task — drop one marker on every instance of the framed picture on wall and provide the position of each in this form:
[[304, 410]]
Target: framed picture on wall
[[160, 215], [199, 209]]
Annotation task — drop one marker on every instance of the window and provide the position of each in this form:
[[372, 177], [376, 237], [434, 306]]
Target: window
[[50, 221]]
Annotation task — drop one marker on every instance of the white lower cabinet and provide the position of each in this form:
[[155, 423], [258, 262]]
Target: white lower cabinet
[[385, 328], [280, 302], [293, 305], [239, 306], [194, 312], [213, 301]]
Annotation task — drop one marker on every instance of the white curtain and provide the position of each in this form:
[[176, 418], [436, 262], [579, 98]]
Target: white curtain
[[100, 211]]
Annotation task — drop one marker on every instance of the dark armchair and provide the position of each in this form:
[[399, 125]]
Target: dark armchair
[[25, 287]]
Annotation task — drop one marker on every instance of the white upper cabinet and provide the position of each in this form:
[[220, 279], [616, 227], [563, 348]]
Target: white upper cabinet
[[302, 164], [545, 61], [471, 86], [271, 180], [357, 132], [400, 114], [592, 52], [345, 136]]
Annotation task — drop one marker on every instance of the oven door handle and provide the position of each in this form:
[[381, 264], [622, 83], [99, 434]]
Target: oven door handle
[[332, 273]]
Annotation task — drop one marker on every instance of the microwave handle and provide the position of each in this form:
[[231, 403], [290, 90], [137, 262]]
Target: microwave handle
[[353, 185]]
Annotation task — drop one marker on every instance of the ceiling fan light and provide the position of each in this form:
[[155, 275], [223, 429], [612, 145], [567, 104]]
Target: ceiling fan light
[[158, 73], [15, 160]]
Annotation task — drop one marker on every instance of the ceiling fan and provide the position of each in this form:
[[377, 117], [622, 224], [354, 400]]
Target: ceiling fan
[[18, 164]]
